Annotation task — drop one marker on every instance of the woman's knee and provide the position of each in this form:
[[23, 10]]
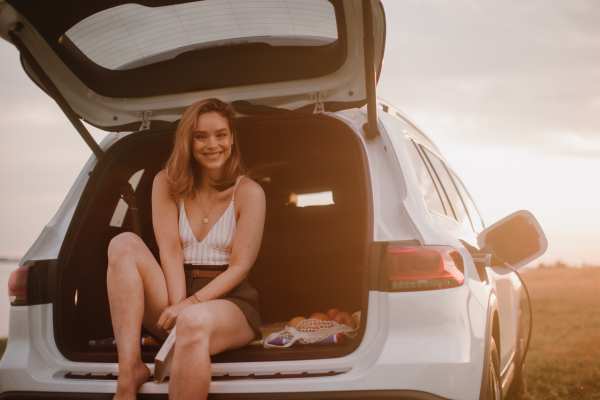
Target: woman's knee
[[122, 245], [194, 325]]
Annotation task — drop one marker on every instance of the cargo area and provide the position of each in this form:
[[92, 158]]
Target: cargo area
[[313, 252]]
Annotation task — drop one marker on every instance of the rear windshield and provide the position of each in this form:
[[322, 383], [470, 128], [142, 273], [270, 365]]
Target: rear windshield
[[132, 35]]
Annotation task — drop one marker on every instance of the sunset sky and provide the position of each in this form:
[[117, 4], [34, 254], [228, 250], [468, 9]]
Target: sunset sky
[[509, 90]]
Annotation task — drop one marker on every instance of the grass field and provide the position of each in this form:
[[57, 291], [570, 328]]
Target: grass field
[[564, 356]]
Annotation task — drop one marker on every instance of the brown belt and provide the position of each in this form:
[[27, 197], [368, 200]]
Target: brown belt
[[200, 273]]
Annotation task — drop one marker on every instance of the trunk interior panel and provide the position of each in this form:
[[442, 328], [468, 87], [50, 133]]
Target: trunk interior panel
[[311, 259]]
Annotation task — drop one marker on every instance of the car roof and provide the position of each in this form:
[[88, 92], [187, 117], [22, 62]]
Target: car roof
[[416, 132]]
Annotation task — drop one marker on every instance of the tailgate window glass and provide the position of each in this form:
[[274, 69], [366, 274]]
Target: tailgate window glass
[[429, 191], [132, 35]]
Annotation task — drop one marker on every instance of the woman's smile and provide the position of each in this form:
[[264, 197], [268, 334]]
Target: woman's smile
[[213, 156]]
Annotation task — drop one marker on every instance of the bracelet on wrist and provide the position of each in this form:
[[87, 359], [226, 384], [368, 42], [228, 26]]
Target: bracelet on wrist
[[194, 299]]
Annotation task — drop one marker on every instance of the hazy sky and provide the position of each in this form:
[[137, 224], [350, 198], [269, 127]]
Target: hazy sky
[[509, 90]]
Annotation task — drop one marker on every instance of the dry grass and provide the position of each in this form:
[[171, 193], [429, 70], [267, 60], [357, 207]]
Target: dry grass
[[564, 356]]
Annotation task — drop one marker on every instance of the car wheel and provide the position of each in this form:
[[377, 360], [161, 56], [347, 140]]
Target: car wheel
[[493, 391]]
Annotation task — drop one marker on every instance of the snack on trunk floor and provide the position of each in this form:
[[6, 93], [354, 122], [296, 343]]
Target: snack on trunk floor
[[314, 330]]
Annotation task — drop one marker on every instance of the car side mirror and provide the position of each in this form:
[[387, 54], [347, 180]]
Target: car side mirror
[[517, 239]]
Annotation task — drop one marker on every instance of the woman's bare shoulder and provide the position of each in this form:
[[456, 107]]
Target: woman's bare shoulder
[[161, 184], [249, 191], [161, 178]]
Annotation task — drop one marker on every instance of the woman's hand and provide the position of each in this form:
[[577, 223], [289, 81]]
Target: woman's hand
[[168, 318]]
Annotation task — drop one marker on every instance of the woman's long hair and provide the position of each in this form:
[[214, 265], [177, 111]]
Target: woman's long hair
[[181, 167]]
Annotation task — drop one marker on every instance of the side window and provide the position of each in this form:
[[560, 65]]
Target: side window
[[454, 197], [122, 207], [428, 188], [473, 213], [438, 183]]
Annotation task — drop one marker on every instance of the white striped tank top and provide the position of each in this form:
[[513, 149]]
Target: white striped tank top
[[215, 249]]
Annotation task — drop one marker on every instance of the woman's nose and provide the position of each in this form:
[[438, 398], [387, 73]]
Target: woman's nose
[[212, 141]]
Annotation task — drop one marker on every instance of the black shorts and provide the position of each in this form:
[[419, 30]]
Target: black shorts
[[243, 295]]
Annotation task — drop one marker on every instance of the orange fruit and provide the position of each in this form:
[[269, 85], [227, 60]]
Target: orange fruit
[[321, 316], [295, 321]]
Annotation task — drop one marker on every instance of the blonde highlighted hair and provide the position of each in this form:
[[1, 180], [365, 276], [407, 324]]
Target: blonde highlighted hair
[[182, 167]]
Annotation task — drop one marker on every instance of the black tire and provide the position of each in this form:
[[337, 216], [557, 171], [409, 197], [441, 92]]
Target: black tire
[[493, 391]]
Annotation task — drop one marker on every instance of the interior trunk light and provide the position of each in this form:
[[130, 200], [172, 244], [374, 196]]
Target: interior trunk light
[[424, 268], [17, 287]]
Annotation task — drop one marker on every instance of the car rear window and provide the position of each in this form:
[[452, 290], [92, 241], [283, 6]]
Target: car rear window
[[131, 35]]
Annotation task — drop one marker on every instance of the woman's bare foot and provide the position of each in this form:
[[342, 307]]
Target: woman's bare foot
[[130, 379]]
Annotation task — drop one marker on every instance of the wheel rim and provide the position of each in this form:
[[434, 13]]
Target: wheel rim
[[494, 383]]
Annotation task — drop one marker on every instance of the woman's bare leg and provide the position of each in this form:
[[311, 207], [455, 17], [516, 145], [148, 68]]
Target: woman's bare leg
[[137, 292], [203, 330]]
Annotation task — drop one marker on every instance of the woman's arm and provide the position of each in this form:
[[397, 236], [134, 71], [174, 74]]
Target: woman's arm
[[165, 219], [250, 205]]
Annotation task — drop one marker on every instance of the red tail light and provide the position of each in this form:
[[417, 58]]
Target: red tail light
[[424, 268], [17, 287]]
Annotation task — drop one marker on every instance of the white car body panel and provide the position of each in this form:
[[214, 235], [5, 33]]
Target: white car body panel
[[508, 290], [388, 188]]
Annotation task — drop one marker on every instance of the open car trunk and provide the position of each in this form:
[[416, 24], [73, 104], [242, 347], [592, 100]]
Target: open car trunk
[[312, 257]]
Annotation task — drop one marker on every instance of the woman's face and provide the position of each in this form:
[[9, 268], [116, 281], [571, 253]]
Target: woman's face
[[212, 141]]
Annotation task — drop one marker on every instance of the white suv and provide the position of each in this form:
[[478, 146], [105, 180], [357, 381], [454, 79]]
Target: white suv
[[363, 212]]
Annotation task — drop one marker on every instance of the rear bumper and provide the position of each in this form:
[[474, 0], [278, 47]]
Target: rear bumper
[[418, 345], [358, 395]]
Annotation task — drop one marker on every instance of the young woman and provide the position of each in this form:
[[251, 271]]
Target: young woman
[[208, 220]]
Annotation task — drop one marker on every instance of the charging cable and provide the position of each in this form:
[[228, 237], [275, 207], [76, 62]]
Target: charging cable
[[491, 260]]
